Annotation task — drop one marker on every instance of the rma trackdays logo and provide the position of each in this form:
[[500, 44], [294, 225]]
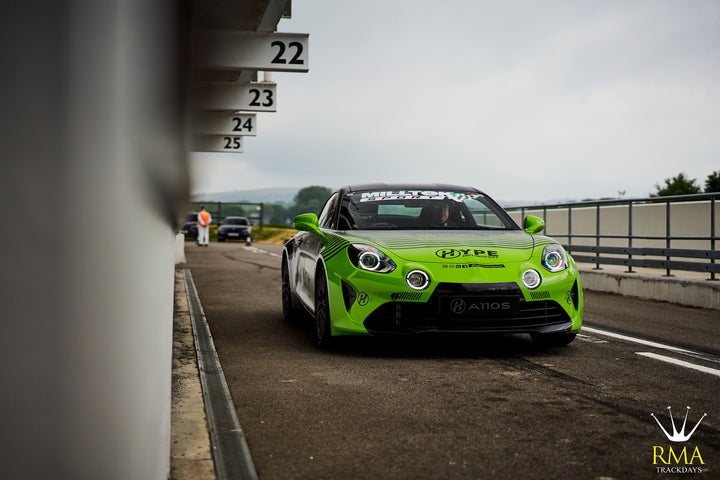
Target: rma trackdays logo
[[677, 460]]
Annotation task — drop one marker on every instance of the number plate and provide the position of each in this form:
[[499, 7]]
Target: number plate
[[473, 306]]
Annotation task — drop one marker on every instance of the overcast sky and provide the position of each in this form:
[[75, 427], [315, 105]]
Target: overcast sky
[[525, 100]]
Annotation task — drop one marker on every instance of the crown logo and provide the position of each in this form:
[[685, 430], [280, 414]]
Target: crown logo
[[678, 436]]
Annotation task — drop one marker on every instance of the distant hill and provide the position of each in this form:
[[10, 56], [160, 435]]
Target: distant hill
[[264, 195]]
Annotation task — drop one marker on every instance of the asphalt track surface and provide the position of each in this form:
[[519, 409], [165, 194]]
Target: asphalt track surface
[[461, 408]]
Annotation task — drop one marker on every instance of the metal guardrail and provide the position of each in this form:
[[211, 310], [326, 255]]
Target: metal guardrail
[[649, 263], [628, 255]]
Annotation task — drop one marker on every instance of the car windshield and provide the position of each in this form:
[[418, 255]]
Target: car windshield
[[235, 221], [420, 210]]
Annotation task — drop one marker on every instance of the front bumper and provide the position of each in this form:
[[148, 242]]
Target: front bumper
[[459, 300], [455, 307], [233, 234]]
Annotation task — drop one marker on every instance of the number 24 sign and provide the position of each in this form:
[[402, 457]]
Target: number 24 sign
[[225, 123]]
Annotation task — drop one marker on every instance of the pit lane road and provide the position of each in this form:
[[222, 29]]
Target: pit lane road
[[458, 408]]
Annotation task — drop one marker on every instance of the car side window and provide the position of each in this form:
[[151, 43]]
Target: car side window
[[327, 215]]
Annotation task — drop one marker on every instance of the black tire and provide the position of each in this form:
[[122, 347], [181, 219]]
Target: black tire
[[323, 336], [289, 312], [553, 339]]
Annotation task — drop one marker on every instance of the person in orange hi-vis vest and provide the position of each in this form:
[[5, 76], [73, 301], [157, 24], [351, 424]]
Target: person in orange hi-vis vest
[[203, 221]]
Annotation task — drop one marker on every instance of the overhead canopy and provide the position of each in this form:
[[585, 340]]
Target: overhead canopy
[[239, 15]]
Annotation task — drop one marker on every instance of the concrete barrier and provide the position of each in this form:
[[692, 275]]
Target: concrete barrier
[[683, 288], [180, 249]]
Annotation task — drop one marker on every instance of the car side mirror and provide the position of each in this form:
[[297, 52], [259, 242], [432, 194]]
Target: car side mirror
[[533, 224], [308, 222]]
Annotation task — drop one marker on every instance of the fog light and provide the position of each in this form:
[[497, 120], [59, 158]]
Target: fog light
[[417, 280], [531, 279]]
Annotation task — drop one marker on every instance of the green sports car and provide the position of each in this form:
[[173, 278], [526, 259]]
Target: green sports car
[[428, 258]]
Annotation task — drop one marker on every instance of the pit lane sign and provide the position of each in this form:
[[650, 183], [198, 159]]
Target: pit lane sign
[[241, 50], [225, 123], [217, 143], [248, 97]]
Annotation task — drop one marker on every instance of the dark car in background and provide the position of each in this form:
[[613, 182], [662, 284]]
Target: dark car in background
[[190, 229], [235, 228]]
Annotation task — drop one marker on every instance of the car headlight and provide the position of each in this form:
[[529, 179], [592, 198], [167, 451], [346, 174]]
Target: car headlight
[[554, 258], [371, 259]]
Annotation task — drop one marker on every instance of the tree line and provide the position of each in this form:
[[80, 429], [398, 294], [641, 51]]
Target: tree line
[[681, 184], [308, 199]]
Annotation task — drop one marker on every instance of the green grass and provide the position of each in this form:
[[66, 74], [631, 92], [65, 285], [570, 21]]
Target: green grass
[[272, 234]]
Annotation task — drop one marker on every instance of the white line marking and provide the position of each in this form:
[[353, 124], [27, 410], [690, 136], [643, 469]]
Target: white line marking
[[260, 250], [648, 343], [680, 363], [588, 338], [635, 340]]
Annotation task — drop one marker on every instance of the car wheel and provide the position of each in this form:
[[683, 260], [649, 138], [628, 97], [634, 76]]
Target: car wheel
[[221, 239], [553, 339], [323, 336], [289, 312]]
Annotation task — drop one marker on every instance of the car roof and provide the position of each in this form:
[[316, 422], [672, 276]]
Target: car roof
[[407, 186]]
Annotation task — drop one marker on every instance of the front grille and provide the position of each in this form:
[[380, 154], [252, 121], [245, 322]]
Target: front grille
[[406, 296], [539, 295], [440, 315]]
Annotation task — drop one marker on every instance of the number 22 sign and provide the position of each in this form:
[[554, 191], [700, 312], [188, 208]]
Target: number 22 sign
[[235, 50]]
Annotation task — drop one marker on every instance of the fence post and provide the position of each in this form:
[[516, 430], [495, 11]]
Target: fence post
[[667, 234], [630, 235], [712, 234], [569, 224], [597, 235]]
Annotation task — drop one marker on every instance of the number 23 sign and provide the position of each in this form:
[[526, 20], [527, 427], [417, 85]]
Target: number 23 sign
[[248, 97]]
